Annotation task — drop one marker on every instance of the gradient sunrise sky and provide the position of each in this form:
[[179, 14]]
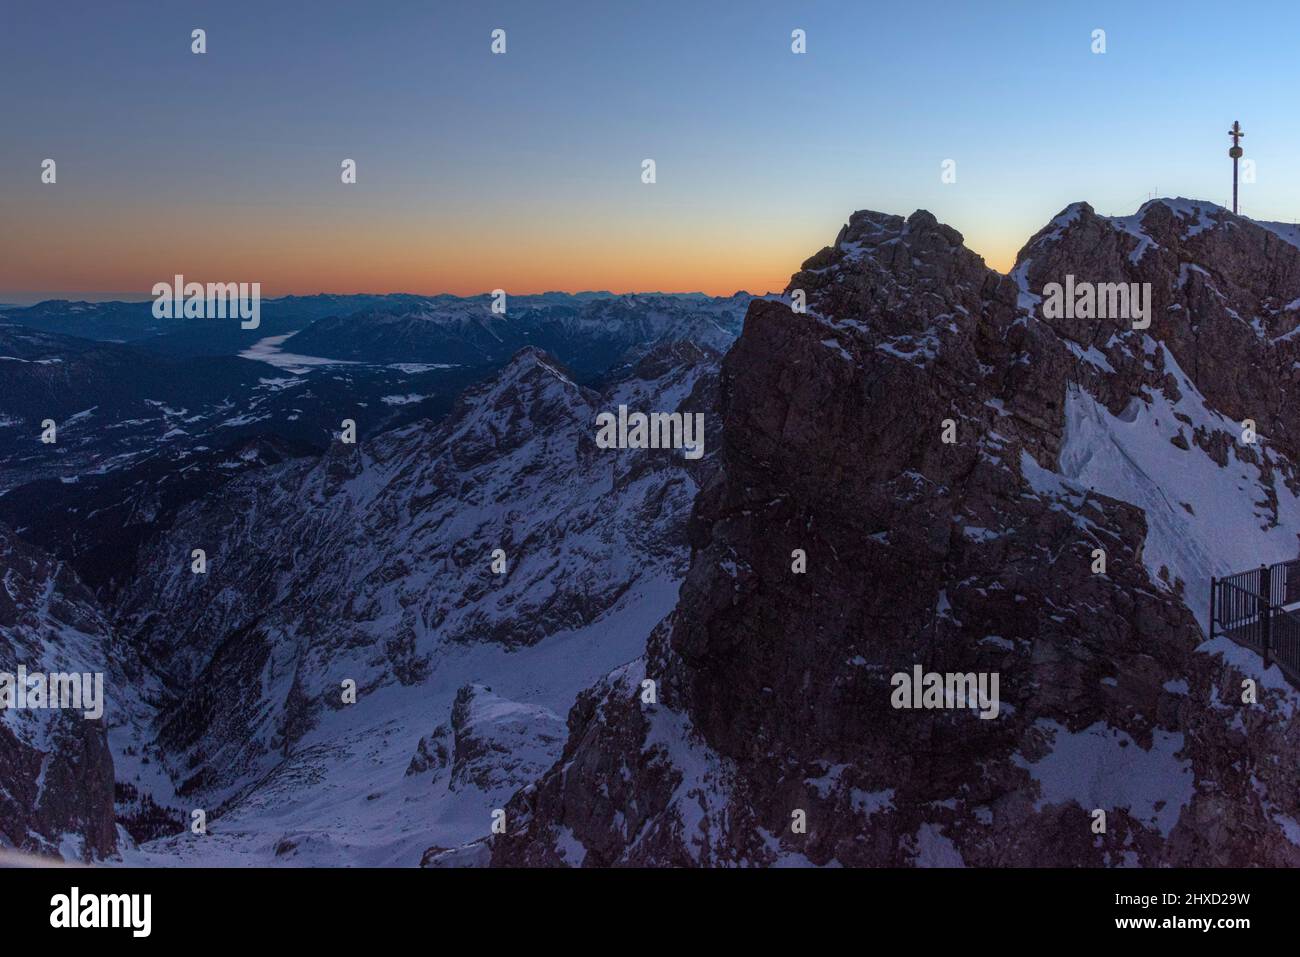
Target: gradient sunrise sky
[[523, 171]]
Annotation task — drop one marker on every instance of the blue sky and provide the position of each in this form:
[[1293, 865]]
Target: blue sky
[[523, 170]]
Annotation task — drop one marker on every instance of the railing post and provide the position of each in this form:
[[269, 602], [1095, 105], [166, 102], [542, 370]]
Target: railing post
[[1265, 612], [1213, 588]]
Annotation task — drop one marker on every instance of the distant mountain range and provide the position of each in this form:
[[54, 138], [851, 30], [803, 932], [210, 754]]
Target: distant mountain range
[[588, 335], [401, 327]]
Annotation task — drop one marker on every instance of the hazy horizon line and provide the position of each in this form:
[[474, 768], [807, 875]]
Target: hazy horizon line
[[26, 298]]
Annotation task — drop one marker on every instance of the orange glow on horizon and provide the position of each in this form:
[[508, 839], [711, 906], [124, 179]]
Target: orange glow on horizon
[[347, 251]]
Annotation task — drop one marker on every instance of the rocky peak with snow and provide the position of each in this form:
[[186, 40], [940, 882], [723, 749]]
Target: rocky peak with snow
[[1225, 301], [971, 556], [905, 274]]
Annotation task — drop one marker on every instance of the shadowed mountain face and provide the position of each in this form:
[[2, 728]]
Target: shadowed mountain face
[[1071, 439]]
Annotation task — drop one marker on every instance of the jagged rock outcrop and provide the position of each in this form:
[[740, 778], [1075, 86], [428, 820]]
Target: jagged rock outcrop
[[976, 555], [500, 745], [433, 753]]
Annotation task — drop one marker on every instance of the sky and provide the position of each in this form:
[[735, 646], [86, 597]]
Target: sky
[[523, 171]]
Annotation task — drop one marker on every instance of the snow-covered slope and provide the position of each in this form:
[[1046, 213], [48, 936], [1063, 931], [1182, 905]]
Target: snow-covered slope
[[1204, 518], [1188, 420]]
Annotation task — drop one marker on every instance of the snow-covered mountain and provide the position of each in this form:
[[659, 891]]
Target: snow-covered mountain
[[145, 427], [151, 439], [375, 565], [919, 470], [135, 322], [588, 331]]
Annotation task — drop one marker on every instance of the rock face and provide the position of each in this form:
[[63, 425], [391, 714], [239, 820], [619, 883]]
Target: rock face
[[773, 686], [56, 770], [493, 747], [490, 743]]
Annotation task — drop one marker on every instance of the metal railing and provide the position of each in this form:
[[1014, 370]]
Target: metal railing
[[1250, 608], [1285, 633]]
